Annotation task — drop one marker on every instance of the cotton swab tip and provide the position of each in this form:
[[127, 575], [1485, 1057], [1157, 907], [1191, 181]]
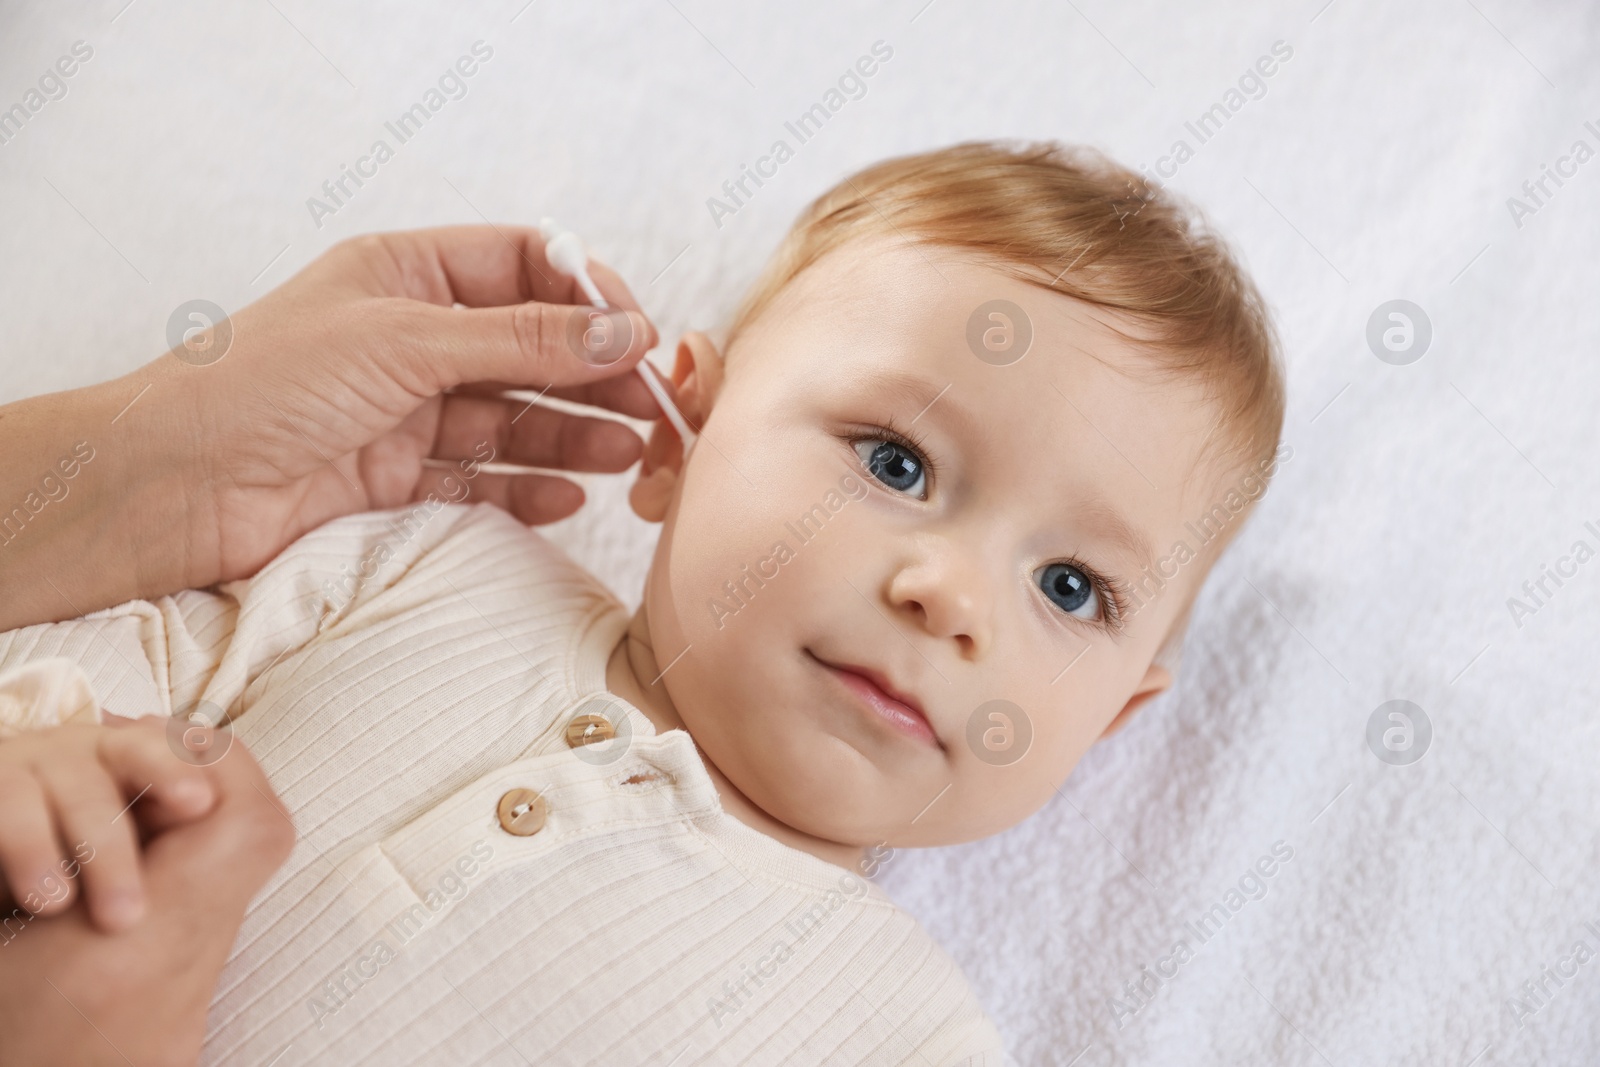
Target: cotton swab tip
[[564, 252]]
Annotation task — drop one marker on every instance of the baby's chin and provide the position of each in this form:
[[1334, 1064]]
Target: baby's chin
[[801, 746], [812, 781]]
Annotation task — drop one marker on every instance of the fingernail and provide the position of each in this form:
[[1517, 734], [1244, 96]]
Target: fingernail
[[189, 792], [642, 328], [122, 909]]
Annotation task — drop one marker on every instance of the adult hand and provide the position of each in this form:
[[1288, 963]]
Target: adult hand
[[73, 993], [334, 390]]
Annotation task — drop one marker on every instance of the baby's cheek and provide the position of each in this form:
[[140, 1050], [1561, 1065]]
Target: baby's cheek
[[1010, 765], [709, 537], [752, 554]]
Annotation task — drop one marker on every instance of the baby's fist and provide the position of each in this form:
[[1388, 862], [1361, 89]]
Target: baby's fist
[[69, 794]]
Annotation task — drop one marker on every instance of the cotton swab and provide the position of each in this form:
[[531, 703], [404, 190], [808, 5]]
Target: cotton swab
[[565, 253]]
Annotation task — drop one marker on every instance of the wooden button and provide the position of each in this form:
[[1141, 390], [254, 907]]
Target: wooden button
[[522, 812], [589, 730]]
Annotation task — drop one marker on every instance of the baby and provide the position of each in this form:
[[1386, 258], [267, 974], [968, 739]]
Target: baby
[[937, 537]]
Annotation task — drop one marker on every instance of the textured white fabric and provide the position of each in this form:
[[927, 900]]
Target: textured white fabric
[[640, 925], [1377, 165], [47, 692]]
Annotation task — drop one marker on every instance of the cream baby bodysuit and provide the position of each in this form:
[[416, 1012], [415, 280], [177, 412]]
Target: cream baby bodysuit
[[472, 882]]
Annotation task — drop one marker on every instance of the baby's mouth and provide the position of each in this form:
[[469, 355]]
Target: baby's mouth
[[875, 693]]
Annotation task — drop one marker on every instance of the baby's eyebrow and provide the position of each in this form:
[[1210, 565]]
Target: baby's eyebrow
[[924, 394], [1098, 513]]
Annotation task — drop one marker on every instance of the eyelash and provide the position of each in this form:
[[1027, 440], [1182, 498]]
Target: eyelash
[[1114, 597], [1113, 592], [906, 438]]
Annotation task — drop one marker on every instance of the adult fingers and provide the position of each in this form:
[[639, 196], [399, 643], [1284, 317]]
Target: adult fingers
[[168, 790], [480, 266], [534, 499], [665, 448], [533, 436], [626, 394], [535, 344], [615, 392], [227, 856], [97, 827], [30, 853]]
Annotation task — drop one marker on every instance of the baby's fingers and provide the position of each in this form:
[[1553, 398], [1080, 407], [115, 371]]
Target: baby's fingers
[[139, 756], [30, 855], [101, 835]]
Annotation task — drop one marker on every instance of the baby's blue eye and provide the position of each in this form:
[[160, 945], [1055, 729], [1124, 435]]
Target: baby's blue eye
[[1069, 589], [892, 464]]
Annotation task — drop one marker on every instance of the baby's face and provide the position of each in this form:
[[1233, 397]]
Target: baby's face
[[966, 567]]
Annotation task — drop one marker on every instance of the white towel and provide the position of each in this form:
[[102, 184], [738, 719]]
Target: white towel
[[1423, 904]]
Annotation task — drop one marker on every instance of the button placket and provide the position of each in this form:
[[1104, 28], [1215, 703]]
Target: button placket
[[535, 804]]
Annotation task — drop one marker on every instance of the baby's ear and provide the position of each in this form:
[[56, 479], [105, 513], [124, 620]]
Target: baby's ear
[[697, 376], [696, 380], [1157, 680]]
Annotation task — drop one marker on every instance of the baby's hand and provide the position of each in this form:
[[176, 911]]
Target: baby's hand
[[74, 799]]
